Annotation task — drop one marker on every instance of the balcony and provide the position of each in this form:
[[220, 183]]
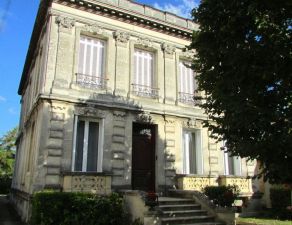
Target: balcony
[[244, 184], [145, 91], [89, 81], [87, 182], [186, 98], [195, 182]]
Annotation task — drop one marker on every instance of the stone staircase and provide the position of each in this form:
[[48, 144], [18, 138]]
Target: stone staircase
[[181, 211]]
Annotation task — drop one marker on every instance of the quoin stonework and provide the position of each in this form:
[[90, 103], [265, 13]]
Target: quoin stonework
[[107, 105]]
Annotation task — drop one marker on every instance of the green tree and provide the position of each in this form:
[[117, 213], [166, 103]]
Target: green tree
[[244, 62], [7, 152]]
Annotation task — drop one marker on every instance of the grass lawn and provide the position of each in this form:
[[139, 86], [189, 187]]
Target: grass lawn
[[256, 221]]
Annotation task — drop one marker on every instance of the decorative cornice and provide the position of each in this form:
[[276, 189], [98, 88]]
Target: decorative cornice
[[192, 123], [166, 23], [65, 22], [122, 37], [168, 49]]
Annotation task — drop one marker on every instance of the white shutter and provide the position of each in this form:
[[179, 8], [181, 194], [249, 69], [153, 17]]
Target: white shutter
[[186, 78], [91, 57], [143, 62]]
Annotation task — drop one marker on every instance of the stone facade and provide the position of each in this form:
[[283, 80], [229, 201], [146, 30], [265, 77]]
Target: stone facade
[[54, 99]]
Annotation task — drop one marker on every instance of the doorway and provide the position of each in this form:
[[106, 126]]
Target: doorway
[[143, 157]]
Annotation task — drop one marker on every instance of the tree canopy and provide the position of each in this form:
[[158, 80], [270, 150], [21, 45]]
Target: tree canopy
[[243, 65], [7, 152]]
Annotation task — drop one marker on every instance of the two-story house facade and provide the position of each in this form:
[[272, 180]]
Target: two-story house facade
[[107, 104]]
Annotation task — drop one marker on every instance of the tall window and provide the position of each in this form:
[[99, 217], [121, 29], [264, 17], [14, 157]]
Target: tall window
[[144, 74], [186, 82], [232, 164], [192, 152], [91, 62], [87, 155]]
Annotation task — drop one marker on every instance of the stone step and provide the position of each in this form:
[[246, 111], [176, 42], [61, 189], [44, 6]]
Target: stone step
[[201, 223], [180, 213], [186, 220], [174, 201], [179, 207]]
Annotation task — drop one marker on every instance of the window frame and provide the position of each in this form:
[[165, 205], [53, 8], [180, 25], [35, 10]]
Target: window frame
[[184, 96], [199, 160], [236, 163], [139, 89], [85, 140], [81, 31]]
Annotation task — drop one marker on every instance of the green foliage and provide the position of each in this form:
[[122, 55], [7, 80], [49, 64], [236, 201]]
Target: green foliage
[[7, 142], [244, 63], [222, 195], [5, 184], [281, 199], [50, 208]]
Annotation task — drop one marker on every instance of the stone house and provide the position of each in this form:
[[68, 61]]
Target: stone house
[[107, 104]]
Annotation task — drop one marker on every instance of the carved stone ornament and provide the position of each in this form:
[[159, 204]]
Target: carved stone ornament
[[121, 37], [90, 111], [94, 29], [145, 42], [192, 123], [168, 49], [189, 53], [144, 117], [65, 22]]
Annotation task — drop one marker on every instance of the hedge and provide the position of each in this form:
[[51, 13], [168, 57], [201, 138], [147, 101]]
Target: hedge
[[60, 208], [5, 184], [222, 195], [281, 199]]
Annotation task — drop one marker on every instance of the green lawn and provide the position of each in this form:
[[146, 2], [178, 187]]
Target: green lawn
[[256, 221]]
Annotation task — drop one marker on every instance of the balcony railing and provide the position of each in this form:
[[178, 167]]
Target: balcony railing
[[90, 81], [186, 98], [244, 184], [87, 182], [145, 91], [195, 182]]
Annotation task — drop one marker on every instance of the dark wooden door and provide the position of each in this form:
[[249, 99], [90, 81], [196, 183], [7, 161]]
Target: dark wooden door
[[143, 157]]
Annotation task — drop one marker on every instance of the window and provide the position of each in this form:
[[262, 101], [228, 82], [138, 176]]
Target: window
[[87, 155], [91, 63], [192, 152], [186, 83], [232, 164], [144, 74]]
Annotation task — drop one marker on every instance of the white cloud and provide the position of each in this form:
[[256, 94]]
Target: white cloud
[[179, 7], [2, 99]]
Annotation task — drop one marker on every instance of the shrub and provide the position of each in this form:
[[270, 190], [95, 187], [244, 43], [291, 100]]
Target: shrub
[[60, 208], [222, 195], [280, 199], [5, 184]]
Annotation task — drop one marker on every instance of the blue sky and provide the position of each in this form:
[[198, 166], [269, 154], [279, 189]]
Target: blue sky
[[16, 24]]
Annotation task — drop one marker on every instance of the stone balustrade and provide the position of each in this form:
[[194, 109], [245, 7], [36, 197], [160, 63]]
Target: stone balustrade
[[195, 182], [87, 182], [244, 184]]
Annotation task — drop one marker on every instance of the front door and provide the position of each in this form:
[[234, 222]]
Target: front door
[[143, 157]]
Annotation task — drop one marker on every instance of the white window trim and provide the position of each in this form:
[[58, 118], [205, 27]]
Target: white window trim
[[237, 171], [85, 145]]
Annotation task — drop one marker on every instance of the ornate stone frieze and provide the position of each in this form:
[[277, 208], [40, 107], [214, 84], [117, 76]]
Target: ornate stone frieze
[[145, 42], [118, 115], [90, 111], [168, 49], [122, 37], [65, 22], [94, 29], [188, 53]]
